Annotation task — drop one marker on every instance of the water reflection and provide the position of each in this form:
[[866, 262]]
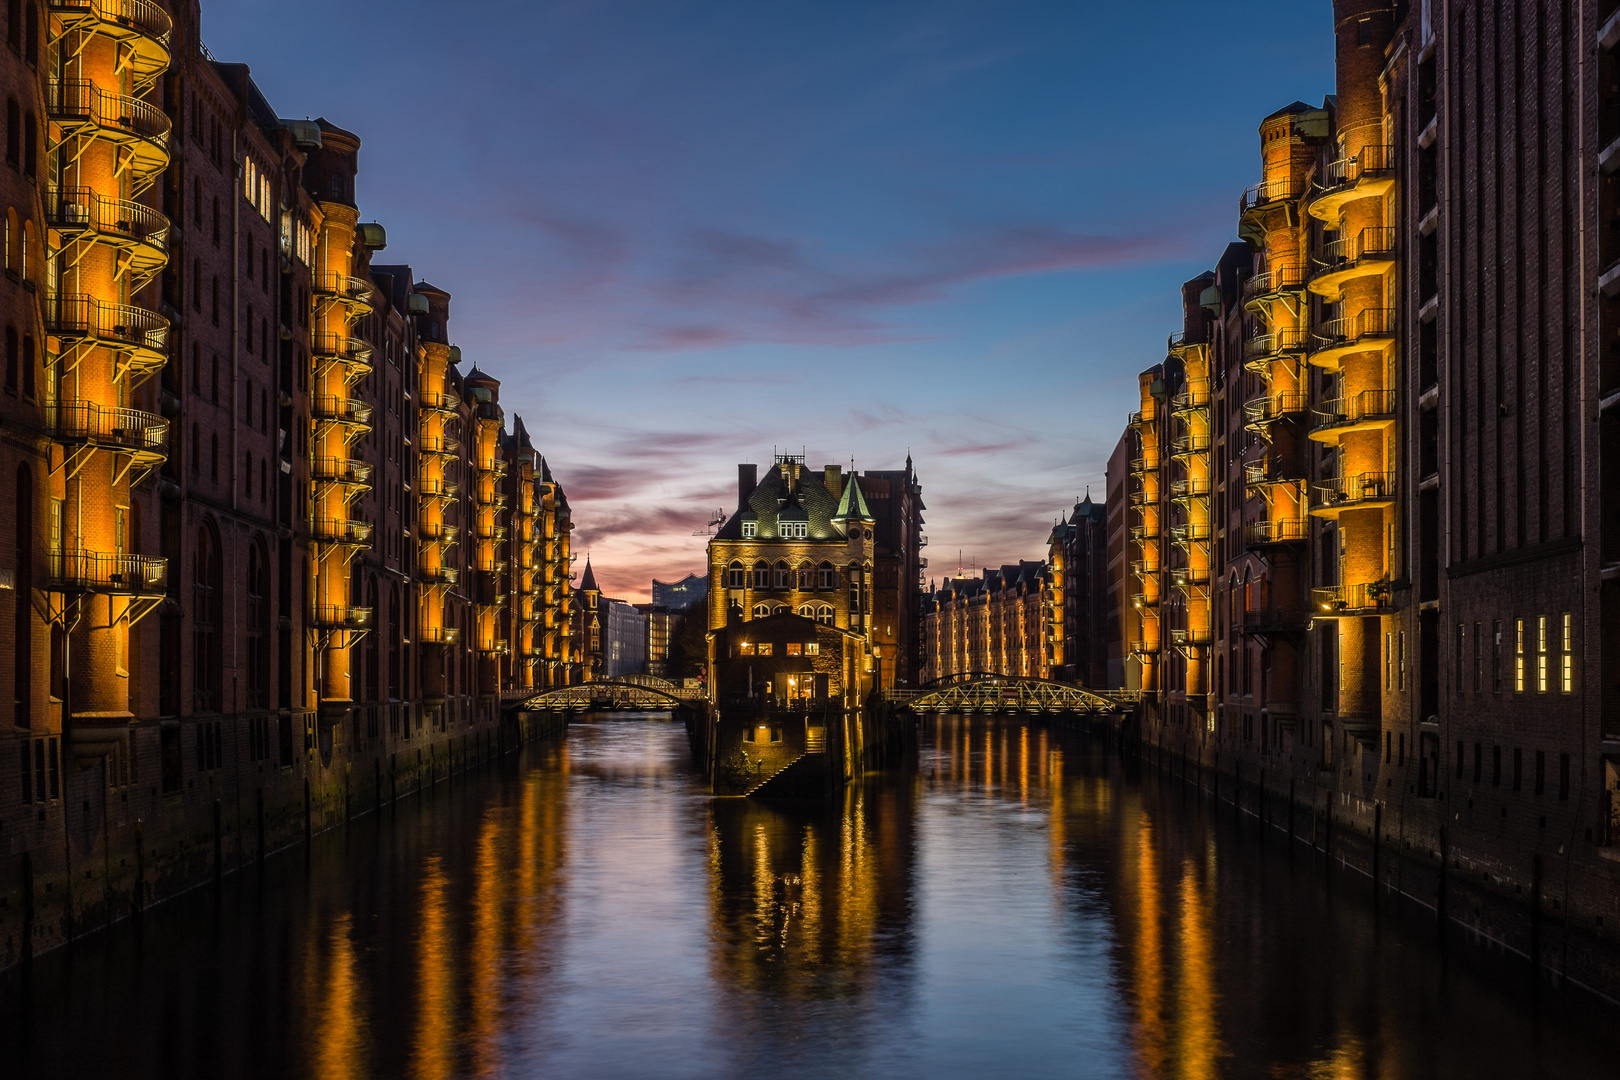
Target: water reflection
[[1015, 906]]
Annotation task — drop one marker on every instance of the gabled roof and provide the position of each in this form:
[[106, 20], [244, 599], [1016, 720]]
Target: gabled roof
[[769, 499]]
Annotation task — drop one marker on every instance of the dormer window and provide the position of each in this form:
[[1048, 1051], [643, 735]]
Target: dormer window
[[749, 529], [796, 530]]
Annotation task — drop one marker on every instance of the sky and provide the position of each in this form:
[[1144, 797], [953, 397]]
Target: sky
[[686, 233]]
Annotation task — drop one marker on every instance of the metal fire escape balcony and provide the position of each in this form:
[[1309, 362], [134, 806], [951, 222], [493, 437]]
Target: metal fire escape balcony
[[139, 438], [1145, 463], [437, 488], [353, 354], [140, 130], [1193, 397], [139, 234], [98, 572], [1144, 418], [341, 532], [82, 322], [1281, 531], [1189, 533], [1188, 489], [341, 617], [142, 28], [349, 412], [1370, 330], [1351, 599], [1260, 413], [1272, 285], [1368, 173], [1189, 638], [1263, 350], [439, 401], [1270, 195], [1369, 253], [439, 635], [437, 575], [345, 472], [1370, 410], [352, 293], [1189, 445], [1362, 491], [436, 532], [442, 446]]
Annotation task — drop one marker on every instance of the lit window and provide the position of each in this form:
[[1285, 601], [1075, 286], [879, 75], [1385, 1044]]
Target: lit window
[[784, 577], [764, 648], [1518, 656], [829, 576], [825, 615], [749, 528], [1566, 677], [1541, 654], [795, 649], [762, 611], [812, 648], [734, 576], [762, 575], [745, 648]]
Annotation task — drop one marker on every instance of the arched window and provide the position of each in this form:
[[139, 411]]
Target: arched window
[[12, 359], [23, 562], [31, 35], [781, 609], [829, 576], [396, 637], [762, 611], [784, 577], [373, 646], [807, 611], [806, 575], [735, 575], [206, 586], [30, 144], [762, 575], [14, 24], [825, 615], [25, 257], [258, 627], [13, 241]]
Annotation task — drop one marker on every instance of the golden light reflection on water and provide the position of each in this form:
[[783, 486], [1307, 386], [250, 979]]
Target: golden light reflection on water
[[334, 986], [430, 1050]]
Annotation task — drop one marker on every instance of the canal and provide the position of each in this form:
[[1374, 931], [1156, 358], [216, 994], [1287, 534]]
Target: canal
[[1016, 906]]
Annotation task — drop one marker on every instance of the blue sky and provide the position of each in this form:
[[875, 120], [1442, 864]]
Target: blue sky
[[682, 233]]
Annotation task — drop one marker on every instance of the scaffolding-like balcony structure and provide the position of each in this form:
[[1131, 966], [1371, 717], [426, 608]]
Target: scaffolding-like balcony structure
[[1272, 284], [439, 635], [351, 413], [439, 401], [440, 446], [1351, 599], [1270, 194], [141, 28], [1263, 350], [100, 572], [139, 234], [1260, 413], [82, 110], [341, 617], [1361, 491], [1279, 531], [82, 321], [1369, 253], [342, 532], [1369, 410], [1365, 174], [1369, 330]]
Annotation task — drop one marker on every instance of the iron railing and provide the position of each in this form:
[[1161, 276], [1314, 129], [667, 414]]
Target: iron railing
[[90, 571], [122, 429]]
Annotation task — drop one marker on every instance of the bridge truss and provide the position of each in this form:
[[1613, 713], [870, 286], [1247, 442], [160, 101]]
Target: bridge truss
[[627, 693], [985, 693]]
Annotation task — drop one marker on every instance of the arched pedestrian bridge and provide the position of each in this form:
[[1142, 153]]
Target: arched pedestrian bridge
[[626, 693], [984, 692]]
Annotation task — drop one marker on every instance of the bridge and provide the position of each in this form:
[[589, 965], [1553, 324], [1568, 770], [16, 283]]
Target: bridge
[[986, 692], [625, 693]]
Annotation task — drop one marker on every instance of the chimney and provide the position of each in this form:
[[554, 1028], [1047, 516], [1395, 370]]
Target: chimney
[[747, 481], [834, 479]]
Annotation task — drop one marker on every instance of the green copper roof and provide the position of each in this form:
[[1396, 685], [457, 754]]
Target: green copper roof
[[852, 504]]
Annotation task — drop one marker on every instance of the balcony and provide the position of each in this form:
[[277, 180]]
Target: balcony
[[1146, 463], [439, 635], [1269, 194], [83, 110], [1261, 412], [1141, 496], [345, 471], [1351, 599], [351, 352], [494, 467], [1193, 396], [1363, 491], [1369, 253], [353, 292], [1260, 351], [1189, 639], [1189, 533], [437, 575], [440, 401], [1274, 621], [1370, 330], [1368, 173], [436, 532], [1178, 345], [84, 423], [1143, 533], [1185, 576], [1284, 531], [445, 446], [495, 648], [436, 488], [139, 232], [350, 412], [1185, 489], [1145, 567], [490, 532], [341, 617], [142, 335], [120, 575], [345, 533], [141, 27], [1189, 444], [1145, 418], [1370, 410], [1276, 283], [1144, 647]]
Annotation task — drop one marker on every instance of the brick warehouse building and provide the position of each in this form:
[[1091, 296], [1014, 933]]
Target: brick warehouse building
[[1373, 494], [269, 543]]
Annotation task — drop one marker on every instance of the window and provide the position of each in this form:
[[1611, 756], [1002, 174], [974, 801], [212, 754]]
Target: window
[[258, 626], [22, 613], [205, 620], [795, 648], [745, 648], [41, 771], [825, 615], [1566, 673], [762, 611], [1541, 654], [13, 133], [750, 529], [1518, 656], [764, 648], [30, 144], [784, 577], [1496, 656], [216, 300], [828, 575], [762, 575], [807, 578], [1518, 768], [812, 648], [28, 365]]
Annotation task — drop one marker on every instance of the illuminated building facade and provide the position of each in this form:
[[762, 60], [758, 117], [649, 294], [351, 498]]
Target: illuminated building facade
[[997, 623], [1076, 598], [255, 502], [1373, 527]]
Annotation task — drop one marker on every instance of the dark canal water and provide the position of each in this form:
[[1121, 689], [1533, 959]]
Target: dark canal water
[[1014, 908]]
